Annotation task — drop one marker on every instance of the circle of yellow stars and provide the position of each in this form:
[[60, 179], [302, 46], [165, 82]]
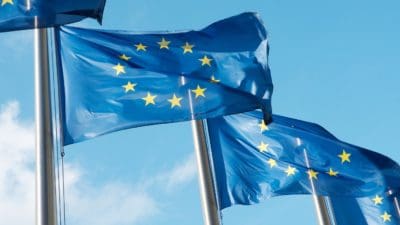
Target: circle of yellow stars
[[344, 157], [149, 98], [263, 147]]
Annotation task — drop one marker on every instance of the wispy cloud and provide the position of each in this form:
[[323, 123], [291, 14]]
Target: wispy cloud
[[176, 177], [119, 203], [107, 204], [16, 167]]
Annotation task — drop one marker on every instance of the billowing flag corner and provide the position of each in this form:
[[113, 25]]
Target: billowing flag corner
[[23, 14]]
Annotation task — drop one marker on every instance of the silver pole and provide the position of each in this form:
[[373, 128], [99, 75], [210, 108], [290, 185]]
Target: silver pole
[[207, 192], [395, 202], [321, 209], [45, 183]]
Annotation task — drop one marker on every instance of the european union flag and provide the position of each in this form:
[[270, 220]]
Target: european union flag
[[29, 14], [114, 80], [378, 209], [254, 161]]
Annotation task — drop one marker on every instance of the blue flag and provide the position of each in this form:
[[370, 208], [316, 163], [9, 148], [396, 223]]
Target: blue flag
[[114, 80], [382, 208], [29, 14], [253, 161]]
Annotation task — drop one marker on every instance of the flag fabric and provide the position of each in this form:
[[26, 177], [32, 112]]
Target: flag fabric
[[114, 80], [29, 14], [377, 209], [253, 161]]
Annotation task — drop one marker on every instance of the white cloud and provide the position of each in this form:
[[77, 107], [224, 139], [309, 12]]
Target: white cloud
[[16, 167], [121, 204], [108, 204], [182, 173]]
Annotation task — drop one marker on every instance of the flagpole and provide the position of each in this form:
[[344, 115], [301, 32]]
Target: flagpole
[[206, 183], [322, 211], [321, 207], [395, 202], [46, 213]]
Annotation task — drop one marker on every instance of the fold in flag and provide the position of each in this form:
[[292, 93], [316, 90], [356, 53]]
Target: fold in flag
[[114, 80], [253, 161], [373, 210], [29, 14]]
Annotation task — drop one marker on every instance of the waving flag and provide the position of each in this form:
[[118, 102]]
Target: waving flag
[[382, 208], [114, 80], [28, 14], [253, 161]]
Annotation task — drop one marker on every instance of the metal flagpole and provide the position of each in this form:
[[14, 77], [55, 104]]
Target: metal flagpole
[[395, 202], [207, 192], [46, 213], [206, 182], [321, 207]]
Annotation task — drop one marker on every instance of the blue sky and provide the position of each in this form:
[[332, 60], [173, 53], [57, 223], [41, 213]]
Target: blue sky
[[334, 63]]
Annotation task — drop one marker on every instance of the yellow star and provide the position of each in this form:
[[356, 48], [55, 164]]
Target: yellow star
[[119, 69], [271, 162], [205, 61], [377, 200], [386, 216], [199, 91], [187, 48], [3, 2], [345, 157], [312, 174], [141, 47], [263, 126], [332, 173], [164, 43], [290, 171], [124, 57], [175, 101], [214, 80], [129, 87], [263, 147], [149, 99]]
